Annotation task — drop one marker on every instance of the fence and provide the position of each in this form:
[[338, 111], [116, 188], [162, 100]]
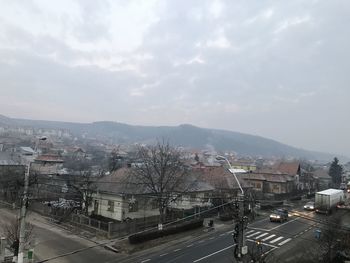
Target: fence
[[136, 225]]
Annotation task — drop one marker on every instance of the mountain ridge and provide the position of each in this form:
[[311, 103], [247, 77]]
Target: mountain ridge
[[186, 135]]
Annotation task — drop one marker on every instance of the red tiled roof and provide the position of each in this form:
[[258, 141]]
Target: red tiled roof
[[289, 168], [49, 158]]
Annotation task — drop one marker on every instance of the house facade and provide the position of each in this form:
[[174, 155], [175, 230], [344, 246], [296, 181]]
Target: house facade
[[270, 184]]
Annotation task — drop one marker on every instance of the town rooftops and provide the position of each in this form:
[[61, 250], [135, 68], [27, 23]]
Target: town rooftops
[[50, 158], [268, 177], [8, 159], [291, 168]]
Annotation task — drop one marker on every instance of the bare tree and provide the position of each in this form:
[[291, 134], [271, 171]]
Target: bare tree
[[11, 233], [84, 185], [161, 172]]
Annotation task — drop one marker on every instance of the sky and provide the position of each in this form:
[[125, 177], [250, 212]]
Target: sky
[[277, 69]]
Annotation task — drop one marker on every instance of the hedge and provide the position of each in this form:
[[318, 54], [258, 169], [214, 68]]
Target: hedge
[[153, 234]]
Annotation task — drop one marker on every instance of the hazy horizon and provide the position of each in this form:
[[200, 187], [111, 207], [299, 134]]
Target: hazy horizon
[[273, 69]]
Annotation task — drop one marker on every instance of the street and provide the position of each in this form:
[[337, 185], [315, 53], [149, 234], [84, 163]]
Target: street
[[51, 241], [279, 241], [218, 246]]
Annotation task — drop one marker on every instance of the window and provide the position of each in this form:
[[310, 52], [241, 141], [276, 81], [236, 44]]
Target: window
[[193, 197], [258, 185], [110, 206], [154, 204], [133, 206]]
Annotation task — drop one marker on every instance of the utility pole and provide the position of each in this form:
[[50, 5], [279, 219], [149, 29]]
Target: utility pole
[[22, 217], [241, 248]]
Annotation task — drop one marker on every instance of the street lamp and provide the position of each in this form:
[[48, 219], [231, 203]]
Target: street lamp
[[219, 157], [24, 206], [242, 248]]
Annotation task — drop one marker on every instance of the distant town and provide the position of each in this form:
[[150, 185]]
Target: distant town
[[128, 198]]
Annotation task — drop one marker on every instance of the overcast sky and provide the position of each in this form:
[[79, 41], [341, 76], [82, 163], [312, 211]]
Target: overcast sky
[[278, 69]]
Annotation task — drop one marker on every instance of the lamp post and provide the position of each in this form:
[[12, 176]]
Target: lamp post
[[24, 206], [242, 249]]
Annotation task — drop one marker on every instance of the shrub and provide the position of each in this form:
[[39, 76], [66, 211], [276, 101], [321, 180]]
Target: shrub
[[153, 234]]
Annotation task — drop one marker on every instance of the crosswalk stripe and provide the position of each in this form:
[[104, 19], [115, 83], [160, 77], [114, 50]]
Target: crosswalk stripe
[[254, 234], [275, 240], [269, 237], [250, 231], [262, 235], [285, 241]]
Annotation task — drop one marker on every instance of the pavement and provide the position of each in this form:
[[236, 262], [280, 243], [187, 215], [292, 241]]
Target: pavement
[[51, 241]]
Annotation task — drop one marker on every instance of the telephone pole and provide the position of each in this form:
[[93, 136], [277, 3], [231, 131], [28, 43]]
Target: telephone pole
[[24, 204], [241, 248]]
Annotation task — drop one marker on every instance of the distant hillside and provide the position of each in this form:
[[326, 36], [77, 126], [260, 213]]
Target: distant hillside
[[183, 135]]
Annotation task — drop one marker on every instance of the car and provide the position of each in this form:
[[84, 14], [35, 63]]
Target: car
[[310, 206], [279, 215]]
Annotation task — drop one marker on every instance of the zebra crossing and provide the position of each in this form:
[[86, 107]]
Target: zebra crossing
[[267, 238]]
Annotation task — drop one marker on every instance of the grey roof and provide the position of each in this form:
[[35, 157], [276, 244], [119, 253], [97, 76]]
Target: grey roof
[[8, 159], [27, 149]]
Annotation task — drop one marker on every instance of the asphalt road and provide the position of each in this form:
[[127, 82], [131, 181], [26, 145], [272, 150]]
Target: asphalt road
[[51, 241], [218, 246]]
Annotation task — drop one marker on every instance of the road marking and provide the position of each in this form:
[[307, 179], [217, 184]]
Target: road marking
[[252, 240], [261, 229], [162, 255], [211, 238], [275, 240], [146, 260], [285, 223], [269, 237], [212, 254], [190, 245], [262, 235], [250, 231], [201, 241], [229, 232], [178, 249], [285, 241], [267, 252], [222, 234], [254, 234]]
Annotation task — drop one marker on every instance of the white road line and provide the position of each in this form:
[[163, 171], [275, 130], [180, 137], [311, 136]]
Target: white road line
[[190, 245], [285, 241], [267, 252], [250, 231], [254, 234], [262, 235], [212, 254], [261, 229], [178, 249], [146, 260], [222, 234], [252, 240], [211, 238], [201, 241], [162, 255], [269, 237], [275, 240], [229, 232]]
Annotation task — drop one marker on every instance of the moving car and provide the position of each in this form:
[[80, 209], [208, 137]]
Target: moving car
[[310, 206], [279, 215]]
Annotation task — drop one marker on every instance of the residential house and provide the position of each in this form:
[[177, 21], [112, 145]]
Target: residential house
[[119, 198], [270, 184], [293, 169], [11, 177], [323, 180]]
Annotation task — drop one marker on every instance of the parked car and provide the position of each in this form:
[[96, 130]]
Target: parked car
[[279, 215], [310, 206]]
